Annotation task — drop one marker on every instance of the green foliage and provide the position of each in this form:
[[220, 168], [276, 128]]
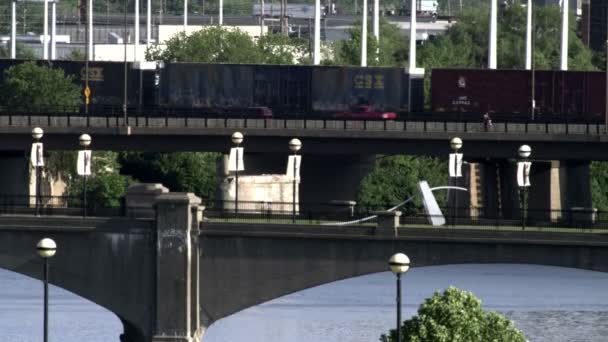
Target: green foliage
[[456, 316], [28, 86], [105, 187], [223, 45], [395, 178], [210, 45], [392, 46], [23, 52], [599, 184], [179, 171]]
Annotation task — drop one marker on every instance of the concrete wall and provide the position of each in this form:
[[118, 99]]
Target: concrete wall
[[260, 193]]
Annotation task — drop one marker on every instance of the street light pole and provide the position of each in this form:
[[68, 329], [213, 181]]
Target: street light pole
[[399, 263], [36, 157], [294, 145], [84, 168], [455, 172], [523, 179], [46, 249], [237, 139]]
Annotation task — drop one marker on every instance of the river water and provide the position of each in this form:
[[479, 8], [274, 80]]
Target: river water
[[550, 304]]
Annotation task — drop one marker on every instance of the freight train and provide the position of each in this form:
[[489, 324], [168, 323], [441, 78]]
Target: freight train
[[302, 91], [243, 89]]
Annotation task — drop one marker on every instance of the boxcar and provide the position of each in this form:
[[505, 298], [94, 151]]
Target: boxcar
[[559, 95], [285, 90]]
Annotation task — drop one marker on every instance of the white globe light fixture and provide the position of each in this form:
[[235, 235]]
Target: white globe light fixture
[[456, 144], [37, 133], [84, 140], [46, 248], [295, 145], [237, 138], [524, 151]]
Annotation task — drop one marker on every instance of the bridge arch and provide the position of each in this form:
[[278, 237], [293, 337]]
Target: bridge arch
[[254, 264]]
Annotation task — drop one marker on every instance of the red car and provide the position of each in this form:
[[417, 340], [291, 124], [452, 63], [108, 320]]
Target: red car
[[365, 112]]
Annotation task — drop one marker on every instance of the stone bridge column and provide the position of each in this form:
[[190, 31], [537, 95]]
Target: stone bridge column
[[177, 297], [555, 186]]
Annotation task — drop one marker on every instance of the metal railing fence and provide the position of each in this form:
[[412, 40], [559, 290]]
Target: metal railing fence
[[160, 117]]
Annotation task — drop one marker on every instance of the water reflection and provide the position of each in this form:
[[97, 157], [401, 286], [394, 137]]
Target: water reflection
[[548, 304]]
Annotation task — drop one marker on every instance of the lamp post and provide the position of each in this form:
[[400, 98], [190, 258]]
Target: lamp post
[[399, 263], [84, 167], [46, 249], [237, 139], [294, 145], [455, 166], [523, 179], [37, 160]]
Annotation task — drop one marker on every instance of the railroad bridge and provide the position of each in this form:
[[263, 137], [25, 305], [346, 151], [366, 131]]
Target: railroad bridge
[[168, 274]]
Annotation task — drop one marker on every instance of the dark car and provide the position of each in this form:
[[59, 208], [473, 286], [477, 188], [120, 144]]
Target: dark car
[[365, 112]]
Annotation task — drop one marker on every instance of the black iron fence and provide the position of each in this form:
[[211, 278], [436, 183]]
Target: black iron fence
[[55, 205], [336, 213], [345, 213]]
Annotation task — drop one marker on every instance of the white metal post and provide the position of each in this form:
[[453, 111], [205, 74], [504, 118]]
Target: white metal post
[[317, 35], [185, 15], [149, 23], [53, 29], [377, 27], [413, 37], [564, 49], [45, 31], [492, 40], [221, 13], [364, 35], [90, 23], [262, 18], [136, 24], [529, 37], [14, 31]]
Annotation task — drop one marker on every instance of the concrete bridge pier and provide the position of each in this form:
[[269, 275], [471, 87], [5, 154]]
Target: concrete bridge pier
[[459, 201], [556, 186], [14, 168], [323, 177]]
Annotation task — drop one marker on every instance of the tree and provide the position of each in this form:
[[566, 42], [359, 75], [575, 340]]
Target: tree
[[179, 171], [28, 86], [224, 45], [456, 316], [106, 186], [599, 184], [23, 52], [395, 178], [392, 46]]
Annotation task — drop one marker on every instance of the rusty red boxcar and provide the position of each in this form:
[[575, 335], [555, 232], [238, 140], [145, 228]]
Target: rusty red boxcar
[[559, 95]]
